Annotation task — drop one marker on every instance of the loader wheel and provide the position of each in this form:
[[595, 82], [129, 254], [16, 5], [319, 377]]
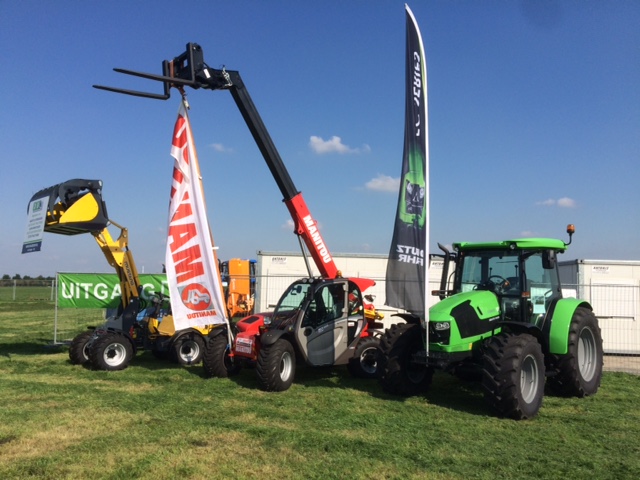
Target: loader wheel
[[513, 375], [79, 351], [579, 371], [276, 366], [216, 360], [400, 373], [111, 351], [188, 349], [364, 363]]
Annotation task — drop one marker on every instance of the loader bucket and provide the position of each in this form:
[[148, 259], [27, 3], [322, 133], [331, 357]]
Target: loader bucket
[[74, 207]]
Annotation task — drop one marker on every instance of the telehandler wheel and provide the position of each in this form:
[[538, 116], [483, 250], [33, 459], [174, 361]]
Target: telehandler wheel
[[364, 363], [400, 374], [79, 351], [188, 349], [111, 351], [216, 360], [579, 371], [513, 375], [276, 366]]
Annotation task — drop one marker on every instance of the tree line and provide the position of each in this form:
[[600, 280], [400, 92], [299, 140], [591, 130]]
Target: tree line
[[25, 281]]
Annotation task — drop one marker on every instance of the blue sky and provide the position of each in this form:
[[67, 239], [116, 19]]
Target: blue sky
[[534, 113]]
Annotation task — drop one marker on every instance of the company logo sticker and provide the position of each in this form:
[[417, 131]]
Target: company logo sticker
[[196, 297]]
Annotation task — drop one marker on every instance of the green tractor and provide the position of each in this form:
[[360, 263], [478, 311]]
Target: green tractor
[[505, 322]]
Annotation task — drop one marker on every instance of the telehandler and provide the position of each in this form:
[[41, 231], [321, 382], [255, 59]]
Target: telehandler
[[320, 321], [75, 207], [504, 321]]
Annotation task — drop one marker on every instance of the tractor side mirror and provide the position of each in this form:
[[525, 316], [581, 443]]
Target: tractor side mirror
[[549, 259]]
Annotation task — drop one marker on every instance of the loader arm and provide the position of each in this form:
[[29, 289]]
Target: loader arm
[[75, 207], [120, 258]]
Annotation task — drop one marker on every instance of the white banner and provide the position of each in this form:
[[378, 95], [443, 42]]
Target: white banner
[[192, 269], [36, 218]]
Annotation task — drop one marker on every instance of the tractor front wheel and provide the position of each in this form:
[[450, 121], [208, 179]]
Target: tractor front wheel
[[579, 371], [79, 351], [188, 349], [400, 371], [111, 351], [364, 363], [216, 360], [276, 366], [513, 375]]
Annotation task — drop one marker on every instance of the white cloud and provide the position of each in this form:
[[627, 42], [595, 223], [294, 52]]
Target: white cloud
[[218, 147], [383, 183], [288, 225], [564, 202], [334, 145]]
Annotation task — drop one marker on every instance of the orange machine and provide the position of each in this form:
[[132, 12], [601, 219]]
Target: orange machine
[[239, 280]]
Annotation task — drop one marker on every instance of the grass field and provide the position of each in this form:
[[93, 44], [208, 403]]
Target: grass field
[[156, 420]]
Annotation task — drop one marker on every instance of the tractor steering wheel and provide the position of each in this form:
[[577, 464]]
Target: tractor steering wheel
[[499, 287]]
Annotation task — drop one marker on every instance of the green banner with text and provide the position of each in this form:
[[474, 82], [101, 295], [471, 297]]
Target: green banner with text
[[102, 290]]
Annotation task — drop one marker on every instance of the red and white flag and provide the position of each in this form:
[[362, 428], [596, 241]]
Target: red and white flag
[[192, 270]]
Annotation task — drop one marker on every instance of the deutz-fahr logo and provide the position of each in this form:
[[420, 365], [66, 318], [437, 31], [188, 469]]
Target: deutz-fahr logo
[[37, 205], [196, 297]]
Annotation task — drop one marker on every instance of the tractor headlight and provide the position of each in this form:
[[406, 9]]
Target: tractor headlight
[[441, 326]]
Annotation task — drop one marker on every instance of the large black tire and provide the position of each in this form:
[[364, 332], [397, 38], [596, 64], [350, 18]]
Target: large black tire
[[578, 373], [111, 351], [79, 351], [216, 360], [188, 349], [514, 375], [364, 363], [400, 374], [276, 366]]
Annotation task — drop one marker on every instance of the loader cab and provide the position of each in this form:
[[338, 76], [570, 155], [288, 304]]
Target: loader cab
[[525, 282]]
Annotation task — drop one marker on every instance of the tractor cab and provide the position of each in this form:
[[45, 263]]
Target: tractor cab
[[522, 274]]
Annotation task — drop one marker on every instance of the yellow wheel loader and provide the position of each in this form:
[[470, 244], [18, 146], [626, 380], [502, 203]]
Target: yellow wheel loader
[[75, 207]]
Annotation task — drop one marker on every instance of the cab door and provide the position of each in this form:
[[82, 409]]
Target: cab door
[[323, 333]]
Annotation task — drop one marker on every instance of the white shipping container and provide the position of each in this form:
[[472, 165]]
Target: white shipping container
[[612, 287]]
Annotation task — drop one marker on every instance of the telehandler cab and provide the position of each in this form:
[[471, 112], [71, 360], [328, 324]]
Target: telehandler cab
[[75, 207], [326, 320], [504, 319]]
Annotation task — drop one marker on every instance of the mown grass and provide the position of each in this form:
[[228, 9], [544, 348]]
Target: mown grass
[[156, 420]]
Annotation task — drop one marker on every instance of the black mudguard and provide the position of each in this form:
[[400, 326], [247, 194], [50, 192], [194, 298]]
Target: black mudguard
[[271, 336]]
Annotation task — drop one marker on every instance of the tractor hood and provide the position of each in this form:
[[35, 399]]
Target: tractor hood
[[469, 313]]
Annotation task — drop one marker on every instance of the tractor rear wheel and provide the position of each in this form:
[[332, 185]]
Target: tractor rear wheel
[[188, 349], [216, 360], [400, 374], [111, 351], [579, 371], [364, 363], [79, 351], [513, 375], [276, 366]]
